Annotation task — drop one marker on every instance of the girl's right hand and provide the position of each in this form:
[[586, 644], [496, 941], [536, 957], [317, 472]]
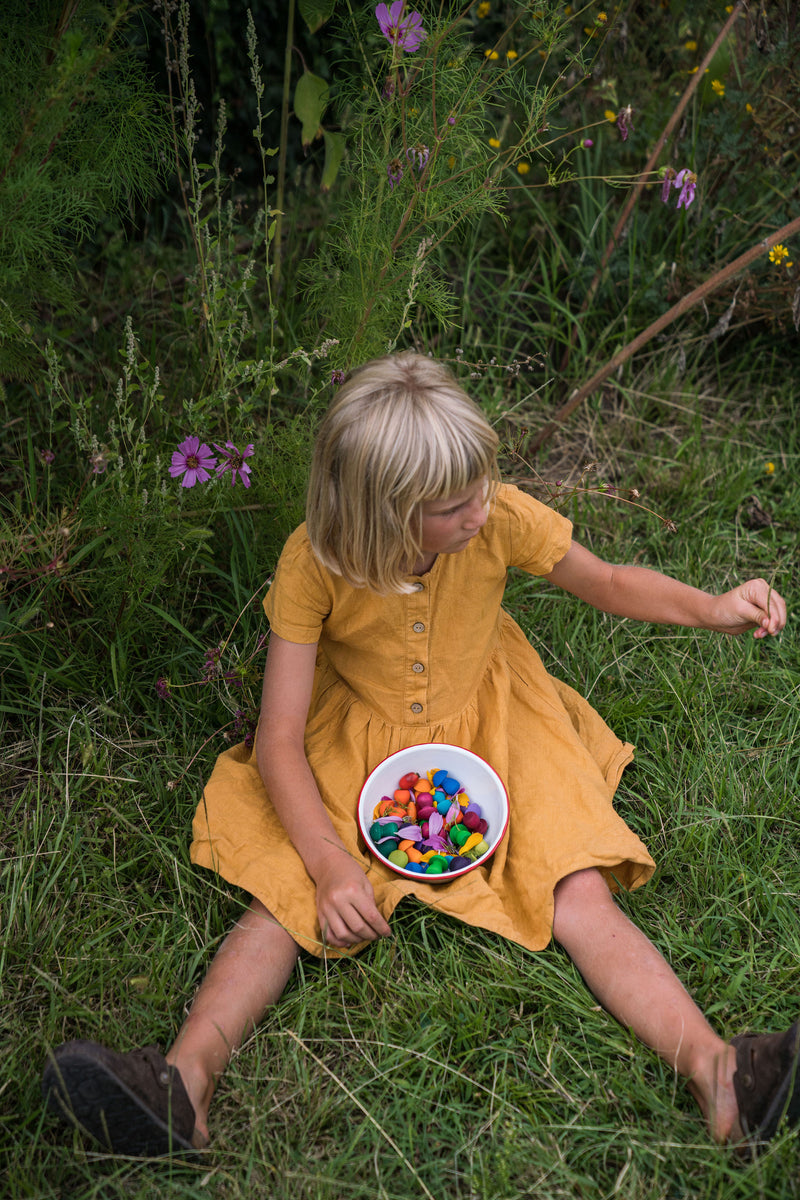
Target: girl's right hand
[[346, 906]]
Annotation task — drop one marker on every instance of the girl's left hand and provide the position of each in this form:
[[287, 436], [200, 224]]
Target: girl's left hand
[[752, 605]]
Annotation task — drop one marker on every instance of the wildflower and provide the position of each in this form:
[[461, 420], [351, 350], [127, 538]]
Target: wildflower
[[625, 121], [405, 32], [483, 9], [686, 180], [337, 377], [244, 724], [511, 55], [494, 143], [194, 461], [769, 468], [718, 86], [523, 168], [778, 255], [395, 172], [47, 457], [601, 18], [211, 663], [690, 46], [586, 144], [492, 55], [389, 87], [163, 689], [418, 156], [610, 116], [451, 120], [99, 462], [668, 175], [234, 462], [748, 108]]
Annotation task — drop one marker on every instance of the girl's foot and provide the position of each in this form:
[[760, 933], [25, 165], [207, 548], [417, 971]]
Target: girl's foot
[[132, 1103]]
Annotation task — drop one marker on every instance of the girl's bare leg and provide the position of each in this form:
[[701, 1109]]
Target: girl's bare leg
[[637, 986], [248, 973]]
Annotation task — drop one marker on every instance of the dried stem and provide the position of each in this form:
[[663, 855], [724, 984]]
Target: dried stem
[[677, 310]]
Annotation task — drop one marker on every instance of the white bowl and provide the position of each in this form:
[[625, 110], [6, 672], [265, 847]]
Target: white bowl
[[480, 781]]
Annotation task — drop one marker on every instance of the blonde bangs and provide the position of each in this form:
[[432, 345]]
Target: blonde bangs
[[400, 432]]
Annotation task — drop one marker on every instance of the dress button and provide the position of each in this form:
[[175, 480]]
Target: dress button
[[416, 708], [418, 627], [418, 667]]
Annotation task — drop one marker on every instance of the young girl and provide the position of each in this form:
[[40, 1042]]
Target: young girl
[[387, 631]]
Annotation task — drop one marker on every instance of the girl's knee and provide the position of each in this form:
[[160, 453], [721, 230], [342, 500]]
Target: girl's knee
[[572, 896]]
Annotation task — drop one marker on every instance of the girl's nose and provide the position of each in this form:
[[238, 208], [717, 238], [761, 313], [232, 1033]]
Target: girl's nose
[[477, 515]]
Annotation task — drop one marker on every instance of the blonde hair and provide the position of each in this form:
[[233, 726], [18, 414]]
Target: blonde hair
[[400, 432]]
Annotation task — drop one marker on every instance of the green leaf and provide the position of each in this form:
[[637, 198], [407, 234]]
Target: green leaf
[[334, 151], [310, 102], [316, 12]]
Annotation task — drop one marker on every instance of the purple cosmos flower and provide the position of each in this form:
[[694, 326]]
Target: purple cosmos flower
[[686, 180], [163, 689], [47, 457], [418, 156], [194, 461], [337, 377], [406, 32], [395, 172], [234, 462]]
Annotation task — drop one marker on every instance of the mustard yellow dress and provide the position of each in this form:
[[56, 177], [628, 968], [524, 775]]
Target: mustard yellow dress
[[443, 663]]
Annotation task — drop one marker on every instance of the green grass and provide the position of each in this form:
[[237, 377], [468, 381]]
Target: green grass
[[442, 1062]]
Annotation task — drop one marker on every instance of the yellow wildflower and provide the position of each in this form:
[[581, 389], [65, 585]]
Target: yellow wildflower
[[769, 468], [602, 17], [748, 108], [484, 9], [492, 55], [511, 54], [523, 168], [494, 143], [718, 86], [610, 116], [779, 255], [691, 46]]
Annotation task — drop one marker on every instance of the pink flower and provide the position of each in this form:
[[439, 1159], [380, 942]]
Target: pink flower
[[194, 461], [405, 32], [686, 180], [234, 462], [669, 179]]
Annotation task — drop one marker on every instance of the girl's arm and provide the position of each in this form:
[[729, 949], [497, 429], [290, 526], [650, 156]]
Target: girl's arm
[[345, 901], [649, 596]]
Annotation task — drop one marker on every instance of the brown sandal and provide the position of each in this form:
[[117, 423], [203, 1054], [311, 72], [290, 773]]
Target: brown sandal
[[132, 1103], [767, 1081]]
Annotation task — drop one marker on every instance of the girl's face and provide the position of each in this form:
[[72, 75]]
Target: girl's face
[[449, 525]]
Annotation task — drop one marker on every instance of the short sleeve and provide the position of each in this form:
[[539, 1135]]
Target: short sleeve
[[539, 537], [300, 597]]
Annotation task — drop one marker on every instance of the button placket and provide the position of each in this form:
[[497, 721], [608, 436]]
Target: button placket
[[417, 648]]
